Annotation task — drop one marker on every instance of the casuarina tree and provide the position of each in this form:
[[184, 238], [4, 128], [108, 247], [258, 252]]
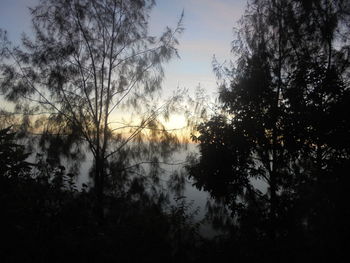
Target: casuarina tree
[[87, 65]]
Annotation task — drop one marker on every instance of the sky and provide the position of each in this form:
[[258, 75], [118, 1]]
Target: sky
[[208, 31]]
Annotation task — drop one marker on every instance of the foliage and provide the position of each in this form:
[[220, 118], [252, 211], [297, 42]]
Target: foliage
[[89, 66], [47, 219], [12, 156], [282, 131]]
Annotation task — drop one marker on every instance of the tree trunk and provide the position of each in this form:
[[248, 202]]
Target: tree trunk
[[99, 187]]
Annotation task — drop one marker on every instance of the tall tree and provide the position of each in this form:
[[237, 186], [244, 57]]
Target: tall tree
[[88, 63], [282, 122], [248, 133]]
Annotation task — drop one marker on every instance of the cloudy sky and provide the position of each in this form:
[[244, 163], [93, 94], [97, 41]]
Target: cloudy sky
[[208, 31]]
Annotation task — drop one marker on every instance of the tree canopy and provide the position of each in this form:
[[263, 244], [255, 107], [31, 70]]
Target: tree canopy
[[282, 131], [86, 66]]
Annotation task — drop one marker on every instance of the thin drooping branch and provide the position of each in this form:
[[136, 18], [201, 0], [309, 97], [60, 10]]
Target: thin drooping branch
[[138, 130], [89, 58]]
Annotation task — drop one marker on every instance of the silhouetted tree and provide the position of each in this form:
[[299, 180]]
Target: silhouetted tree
[[282, 123], [12, 156], [89, 64]]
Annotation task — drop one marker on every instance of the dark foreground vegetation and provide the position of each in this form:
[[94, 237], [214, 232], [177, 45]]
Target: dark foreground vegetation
[[45, 219], [274, 157]]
